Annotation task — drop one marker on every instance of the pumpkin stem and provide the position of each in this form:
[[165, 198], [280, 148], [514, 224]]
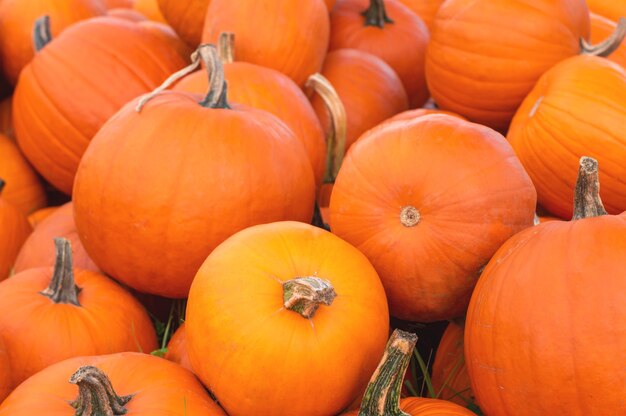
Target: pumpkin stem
[[305, 294], [382, 397], [376, 15], [587, 202], [226, 47], [62, 288], [336, 139], [96, 396], [607, 46], [41, 33]]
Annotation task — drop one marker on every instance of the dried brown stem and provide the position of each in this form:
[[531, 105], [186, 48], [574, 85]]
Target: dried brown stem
[[96, 396], [304, 295], [607, 46], [62, 288], [587, 202]]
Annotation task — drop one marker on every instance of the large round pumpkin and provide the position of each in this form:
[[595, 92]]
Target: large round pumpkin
[[14, 229], [486, 55], [425, 9], [124, 383], [186, 18], [577, 108], [292, 304], [6, 383], [612, 9], [286, 35], [548, 313], [429, 201], [104, 62]]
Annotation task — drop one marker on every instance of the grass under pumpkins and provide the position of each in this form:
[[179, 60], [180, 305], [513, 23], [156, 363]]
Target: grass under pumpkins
[[312, 207]]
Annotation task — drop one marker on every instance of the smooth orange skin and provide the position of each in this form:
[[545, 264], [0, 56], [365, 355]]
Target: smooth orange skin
[[160, 388], [23, 187], [116, 4], [201, 169], [127, 14], [41, 214], [485, 56], [38, 249], [286, 35], [53, 128], [17, 19], [576, 109], [425, 9], [167, 34], [470, 190], [150, 9], [611, 9], [402, 44], [6, 117], [38, 332], [272, 91], [420, 406], [369, 89], [253, 337], [186, 18], [517, 353], [411, 115], [601, 29], [6, 383], [14, 230], [177, 349]]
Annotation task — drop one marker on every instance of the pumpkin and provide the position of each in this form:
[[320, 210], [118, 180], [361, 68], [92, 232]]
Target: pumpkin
[[37, 250], [330, 4], [402, 187], [105, 62], [41, 214], [127, 14], [186, 18], [116, 384], [611, 9], [269, 90], [389, 30], [515, 350], [167, 34], [150, 9], [486, 55], [425, 9], [602, 29], [6, 117], [177, 348], [23, 189], [382, 397], [413, 114], [368, 88], [6, 384], [14, 229], [17, 18], [118, 4], [577, 108], [289, 36], [279, 302], [209, 168]]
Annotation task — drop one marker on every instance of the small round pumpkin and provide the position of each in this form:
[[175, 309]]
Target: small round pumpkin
[[611, 9], [425, 9], [177, 348], [14, 229], [186, 18], [286, 302]]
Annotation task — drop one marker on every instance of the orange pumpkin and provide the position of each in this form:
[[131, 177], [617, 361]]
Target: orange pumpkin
[[330, 4], [41, 214], [127, 14], [289, 36], [168, 35], [37, 250], [425, 9], [278, 302], [17, 18], [208, 169], [118, 4], [6, 117], [486, 55], [6, 383], [150, 9], [14, 229], [186, 18], [413, 114], [62, 312], [137, 384], [105, 62], [402, 187], [177, 348], [389, 30], [577, 108], [368, 88], [612, 9], [603, 28], [569, 271], [24, 189]]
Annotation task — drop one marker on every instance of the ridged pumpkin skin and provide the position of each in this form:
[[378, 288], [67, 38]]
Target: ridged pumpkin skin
[[150, 9], [486, 55], [601, 29], [577, 108], [186, 18], [322, 363], [177, 348], [54, 128], [611, 9], [399, 190], [289, 36], [6, 383], [368, 88], [272, 91], [23, 188], [159, 388], [401, 44], [425, 9], [17, 19], [38, 250], [14, 229]]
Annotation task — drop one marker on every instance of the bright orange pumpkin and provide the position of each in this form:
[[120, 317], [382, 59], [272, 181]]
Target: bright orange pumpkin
[[602, 28], [154, 387], [415, 195], [425, 9], [549, 311], [6, 383], [14, 229], [612, 9], [278, 302], [177, 348], [401, 43], [186, 18], [486, 55], [289, 36], [150, 9]]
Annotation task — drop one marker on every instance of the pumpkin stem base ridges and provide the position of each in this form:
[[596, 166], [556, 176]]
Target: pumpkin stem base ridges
[[62, 288], [607, 46], [376, 14], [587, 202], [304, 295], [41, 33], [409, 216], [382, 397], [96, 396]]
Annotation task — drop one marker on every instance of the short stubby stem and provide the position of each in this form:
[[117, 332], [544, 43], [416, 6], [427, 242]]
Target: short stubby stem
[[96, 396], [410, 216], [304, 295], [587, 202], [376, 14]]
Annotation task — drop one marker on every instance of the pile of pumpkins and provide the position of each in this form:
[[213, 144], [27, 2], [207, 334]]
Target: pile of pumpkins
[[300, 172]]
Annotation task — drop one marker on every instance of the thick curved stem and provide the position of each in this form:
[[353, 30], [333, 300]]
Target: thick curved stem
[[607, 46], [62, 288], [587, 202], [304, 295], [226, 47], [376, 15], [41, 33], [96, 396], [382, 397]]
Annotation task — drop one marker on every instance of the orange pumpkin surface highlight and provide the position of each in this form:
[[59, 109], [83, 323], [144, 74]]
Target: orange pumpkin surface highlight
[[14, 229], [186, 18], [177, 348]]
